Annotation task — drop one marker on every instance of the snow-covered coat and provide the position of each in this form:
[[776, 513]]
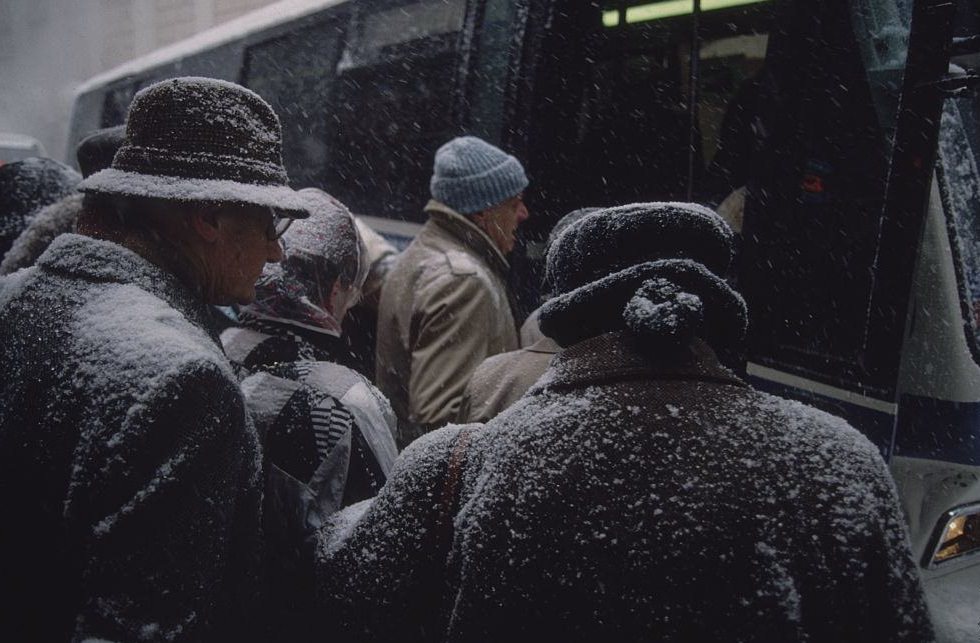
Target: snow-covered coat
[[502, 379], [444, 309], [129, 472], [629, 497]]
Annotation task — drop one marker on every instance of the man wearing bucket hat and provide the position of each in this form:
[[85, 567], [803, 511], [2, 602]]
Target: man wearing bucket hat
[[128, 466], [445, 305]]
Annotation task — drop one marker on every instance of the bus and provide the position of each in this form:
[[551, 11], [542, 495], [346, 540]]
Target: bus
[[840, 137]]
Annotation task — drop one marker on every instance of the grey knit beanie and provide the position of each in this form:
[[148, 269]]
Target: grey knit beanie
[[470, 175]]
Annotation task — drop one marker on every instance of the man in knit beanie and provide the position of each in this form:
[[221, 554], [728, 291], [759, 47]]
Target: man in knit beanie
[[445, 306]]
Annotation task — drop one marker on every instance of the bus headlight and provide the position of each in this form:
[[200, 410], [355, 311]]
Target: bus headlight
[[957, 534]]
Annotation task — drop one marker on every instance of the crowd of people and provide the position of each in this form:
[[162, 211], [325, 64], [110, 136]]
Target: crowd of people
[[191, 449]]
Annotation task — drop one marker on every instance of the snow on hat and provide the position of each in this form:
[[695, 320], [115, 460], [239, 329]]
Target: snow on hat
[[652, 268], [96, 151], [327, 242], [471, 175], [200, 139], [611, 239]]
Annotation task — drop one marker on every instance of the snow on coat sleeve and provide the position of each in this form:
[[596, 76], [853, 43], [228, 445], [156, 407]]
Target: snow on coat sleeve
[[449, 340], [154, 500], [381, 562], [896, 607]]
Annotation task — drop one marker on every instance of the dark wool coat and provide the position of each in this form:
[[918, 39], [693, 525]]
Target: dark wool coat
[[629, 498], [129, 473]]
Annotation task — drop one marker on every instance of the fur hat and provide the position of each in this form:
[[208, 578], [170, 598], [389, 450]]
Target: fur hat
[[471, 175], [652, 268], [200, 139], [612, 239]]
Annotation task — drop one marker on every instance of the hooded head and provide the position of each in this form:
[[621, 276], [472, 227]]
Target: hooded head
[[652, 268], [323, 269]]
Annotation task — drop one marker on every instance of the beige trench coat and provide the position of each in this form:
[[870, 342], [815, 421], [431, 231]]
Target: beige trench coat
[[503, 379], [444, 309]]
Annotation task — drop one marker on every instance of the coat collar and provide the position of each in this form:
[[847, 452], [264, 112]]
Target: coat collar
[[466, 231], [615, 357], [95, 260]]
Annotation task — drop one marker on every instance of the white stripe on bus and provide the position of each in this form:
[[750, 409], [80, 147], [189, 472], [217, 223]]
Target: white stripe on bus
[[766, 373]]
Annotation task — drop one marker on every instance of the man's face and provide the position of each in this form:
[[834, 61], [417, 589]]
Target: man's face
[[500, 222], [246, 242]]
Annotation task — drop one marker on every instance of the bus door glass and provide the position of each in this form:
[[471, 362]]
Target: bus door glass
[[294, 73], [392, 104], [959, 179], [115, 105], [795, 109]]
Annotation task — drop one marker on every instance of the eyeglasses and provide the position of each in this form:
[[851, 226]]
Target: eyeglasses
[[277, 226]]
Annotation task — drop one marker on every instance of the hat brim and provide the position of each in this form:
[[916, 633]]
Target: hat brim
[[282, 198]]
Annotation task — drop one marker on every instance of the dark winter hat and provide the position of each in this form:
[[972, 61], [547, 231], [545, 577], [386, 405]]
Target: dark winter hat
[[611, 239], [26, 186], [97, 150], [652, 268], [471, 175], [200, 139]]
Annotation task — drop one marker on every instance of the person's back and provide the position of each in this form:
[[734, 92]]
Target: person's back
[[106, 358], [503, 379], [445, 306], [639, 491], [630, 499], [325, 425]]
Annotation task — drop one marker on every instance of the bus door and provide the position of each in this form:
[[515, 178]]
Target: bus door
[[775, 100], [936, 461], [603, 108], [815, 194]]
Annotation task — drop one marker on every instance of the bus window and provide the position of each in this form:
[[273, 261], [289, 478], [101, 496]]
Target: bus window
[[815, 187], [294, 73], [731, 89], [382, 155], [728, 64], [116, 104]]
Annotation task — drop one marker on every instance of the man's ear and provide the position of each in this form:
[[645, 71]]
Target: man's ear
[[479, 218], [205, 224]]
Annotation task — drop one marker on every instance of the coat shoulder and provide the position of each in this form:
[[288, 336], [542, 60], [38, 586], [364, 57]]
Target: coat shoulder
[[125, 335]]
